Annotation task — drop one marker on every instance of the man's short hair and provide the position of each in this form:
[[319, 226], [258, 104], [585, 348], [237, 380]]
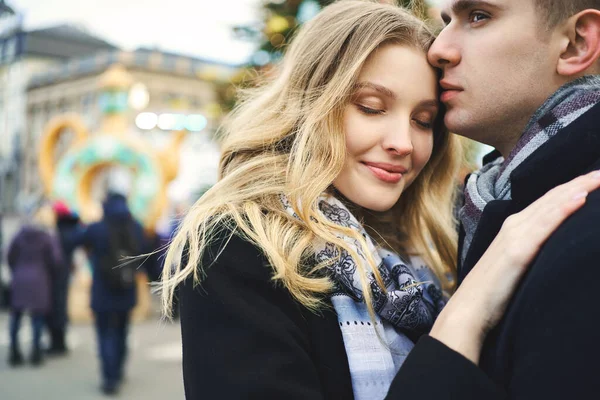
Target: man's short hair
[[553, 12]]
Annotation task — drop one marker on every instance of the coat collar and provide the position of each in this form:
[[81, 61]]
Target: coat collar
[[567, 155]]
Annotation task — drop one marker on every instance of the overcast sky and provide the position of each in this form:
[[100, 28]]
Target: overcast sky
[[195, 27]]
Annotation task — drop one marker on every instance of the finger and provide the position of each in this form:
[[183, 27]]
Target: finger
[[525, 232], [566, 199], [562, 196], [552, 211], [551, 217]]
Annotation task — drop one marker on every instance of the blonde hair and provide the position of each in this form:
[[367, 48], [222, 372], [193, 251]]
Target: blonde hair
[[286, 137]]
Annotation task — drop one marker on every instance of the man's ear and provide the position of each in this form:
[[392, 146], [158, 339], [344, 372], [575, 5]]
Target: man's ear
[[583, 47]]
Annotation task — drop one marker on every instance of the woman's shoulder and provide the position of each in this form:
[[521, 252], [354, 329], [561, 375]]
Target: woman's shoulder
[[234, 270], [232, 254], [230, 242]]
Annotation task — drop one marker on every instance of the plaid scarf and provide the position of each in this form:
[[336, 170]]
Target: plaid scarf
[[492, 182]]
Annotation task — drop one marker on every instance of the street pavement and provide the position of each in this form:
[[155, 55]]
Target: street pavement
[[153, 369]]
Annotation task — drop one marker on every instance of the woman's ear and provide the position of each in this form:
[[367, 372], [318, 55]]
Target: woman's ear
[[583, 48]]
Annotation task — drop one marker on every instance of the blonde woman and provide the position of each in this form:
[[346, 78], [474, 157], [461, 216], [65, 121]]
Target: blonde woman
[[327, 248]]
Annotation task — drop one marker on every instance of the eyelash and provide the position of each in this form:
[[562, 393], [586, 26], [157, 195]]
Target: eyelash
[[369, 111], [477, 14], [424, 125]]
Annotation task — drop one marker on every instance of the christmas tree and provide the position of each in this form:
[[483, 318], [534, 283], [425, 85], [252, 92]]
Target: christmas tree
[[283, 17]]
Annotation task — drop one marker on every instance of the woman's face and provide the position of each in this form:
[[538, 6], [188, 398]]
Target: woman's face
[[388, 126]]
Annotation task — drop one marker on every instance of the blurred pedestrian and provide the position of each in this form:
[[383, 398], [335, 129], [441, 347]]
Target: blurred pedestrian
[[68, 227], [111, 243], [164, 239], [34, 257], [4, 302]]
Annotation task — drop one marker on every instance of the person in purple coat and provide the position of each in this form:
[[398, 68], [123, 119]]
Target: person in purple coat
[[34, 257]]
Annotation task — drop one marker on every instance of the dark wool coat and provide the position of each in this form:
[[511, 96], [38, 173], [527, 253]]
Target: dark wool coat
[[34, 258], [95, 239], [245, 337]]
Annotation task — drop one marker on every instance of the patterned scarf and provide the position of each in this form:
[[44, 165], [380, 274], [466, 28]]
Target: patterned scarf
[[412, 302], [492, 182]]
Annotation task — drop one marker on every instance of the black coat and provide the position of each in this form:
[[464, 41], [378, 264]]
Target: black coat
[[547, 346], [244, 337]]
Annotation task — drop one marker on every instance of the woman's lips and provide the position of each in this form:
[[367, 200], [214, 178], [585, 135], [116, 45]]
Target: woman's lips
[[383, 174]]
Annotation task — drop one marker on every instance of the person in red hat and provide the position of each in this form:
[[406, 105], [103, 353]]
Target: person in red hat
[[68, 226]]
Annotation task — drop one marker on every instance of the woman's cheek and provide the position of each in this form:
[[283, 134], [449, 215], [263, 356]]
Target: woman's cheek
[[421, 155]]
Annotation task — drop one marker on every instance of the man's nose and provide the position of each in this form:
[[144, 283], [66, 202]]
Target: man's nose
[[443, 52]]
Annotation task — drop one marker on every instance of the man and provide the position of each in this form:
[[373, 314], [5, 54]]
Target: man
[[111, 243], [522, 76]]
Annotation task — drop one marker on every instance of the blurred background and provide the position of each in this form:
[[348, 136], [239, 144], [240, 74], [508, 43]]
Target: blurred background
[[137, 88]]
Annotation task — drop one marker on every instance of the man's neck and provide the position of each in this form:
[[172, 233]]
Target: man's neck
[[506, 139]]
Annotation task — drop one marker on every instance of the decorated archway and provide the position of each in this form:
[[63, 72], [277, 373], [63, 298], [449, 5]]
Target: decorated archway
[[71, 176]]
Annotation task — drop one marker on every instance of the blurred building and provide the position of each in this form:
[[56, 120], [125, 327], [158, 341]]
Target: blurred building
[[170, 92], [23, 54]]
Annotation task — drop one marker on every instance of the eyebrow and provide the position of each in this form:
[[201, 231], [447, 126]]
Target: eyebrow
[[462, 5], [387, 92], [381, 89]]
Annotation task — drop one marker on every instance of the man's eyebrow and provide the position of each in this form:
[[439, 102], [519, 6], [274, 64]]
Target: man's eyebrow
[[459, 6], [382, 89]]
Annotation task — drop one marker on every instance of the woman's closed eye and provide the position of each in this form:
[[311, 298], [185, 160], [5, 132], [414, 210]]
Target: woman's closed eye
[[369, 110], [424, 120], [425, 124]]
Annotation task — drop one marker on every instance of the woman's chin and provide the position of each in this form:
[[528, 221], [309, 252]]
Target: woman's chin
[[370, 197], [377, 205]]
